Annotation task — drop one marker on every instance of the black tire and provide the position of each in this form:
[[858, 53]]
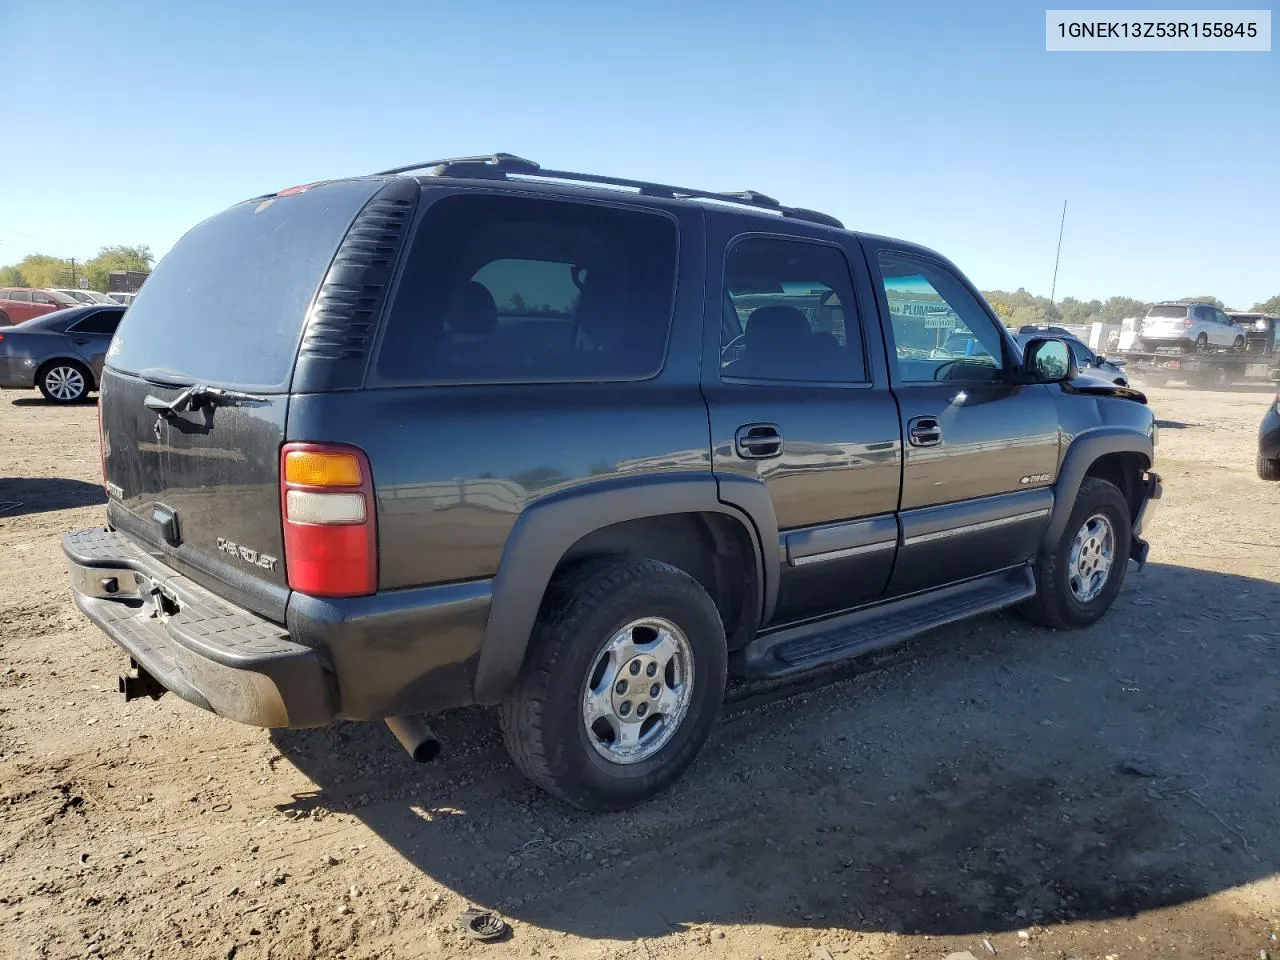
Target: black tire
[[4, 319], [1238, 345], [1268, 469], [1202, 343], [58, 382], [1054, 604], [542, 720]]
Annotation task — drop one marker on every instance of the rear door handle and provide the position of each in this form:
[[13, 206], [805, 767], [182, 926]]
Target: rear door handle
[[758, 441], [924, 432]]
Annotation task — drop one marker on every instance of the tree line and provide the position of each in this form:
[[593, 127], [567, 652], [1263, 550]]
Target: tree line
[[1020, 308], [41, 270]]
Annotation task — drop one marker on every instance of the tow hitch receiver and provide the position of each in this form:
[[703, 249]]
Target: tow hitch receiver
[[139, 684]]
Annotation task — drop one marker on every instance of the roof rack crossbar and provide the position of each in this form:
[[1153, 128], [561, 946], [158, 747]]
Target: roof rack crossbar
[[499, 165]]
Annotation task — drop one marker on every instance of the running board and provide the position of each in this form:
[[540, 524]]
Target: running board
[[795, 650]]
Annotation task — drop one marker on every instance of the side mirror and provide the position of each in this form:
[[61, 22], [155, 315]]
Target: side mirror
[[1046, 360]]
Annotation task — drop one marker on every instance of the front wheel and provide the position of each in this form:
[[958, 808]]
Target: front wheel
[[1078, 578], [621, 686], [64, 383], [1268, 469], [1238, 344]]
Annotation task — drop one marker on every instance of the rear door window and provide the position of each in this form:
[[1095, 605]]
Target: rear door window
[[102, 322], [21, 296], [504, 289], [227, 305]]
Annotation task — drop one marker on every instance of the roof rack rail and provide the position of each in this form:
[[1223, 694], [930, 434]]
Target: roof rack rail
[[500, 165], [494, 164]]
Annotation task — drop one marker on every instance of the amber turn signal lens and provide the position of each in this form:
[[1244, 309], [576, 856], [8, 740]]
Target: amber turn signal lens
[[316, 468]]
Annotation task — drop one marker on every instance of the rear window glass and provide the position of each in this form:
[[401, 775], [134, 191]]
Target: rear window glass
[[1175, 313], [227, 304], [518, 290]]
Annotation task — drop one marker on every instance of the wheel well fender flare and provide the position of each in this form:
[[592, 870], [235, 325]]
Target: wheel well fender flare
[[1086, 450], [547, 529]]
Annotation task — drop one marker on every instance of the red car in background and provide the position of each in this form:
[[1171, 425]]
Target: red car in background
[[22, 303]]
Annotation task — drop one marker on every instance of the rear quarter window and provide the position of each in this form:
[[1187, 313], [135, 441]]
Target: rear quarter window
[[504, 289]]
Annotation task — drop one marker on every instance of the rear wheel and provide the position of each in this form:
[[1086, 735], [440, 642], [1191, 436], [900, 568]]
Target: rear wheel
[[63, 382], [1202, 343], [623, 680], [1268, 469], [4, 319], [1078, 578]]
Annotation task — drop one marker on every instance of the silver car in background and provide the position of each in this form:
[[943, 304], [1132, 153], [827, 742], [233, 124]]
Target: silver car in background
[[1195, 326], [60, 353]]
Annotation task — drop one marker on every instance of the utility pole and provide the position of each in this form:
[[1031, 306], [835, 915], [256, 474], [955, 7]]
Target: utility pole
[[73, 273], [1054, 289]]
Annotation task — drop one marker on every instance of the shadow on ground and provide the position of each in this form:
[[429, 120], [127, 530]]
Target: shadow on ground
[[36, 400], [1001, 776], [23, 495]]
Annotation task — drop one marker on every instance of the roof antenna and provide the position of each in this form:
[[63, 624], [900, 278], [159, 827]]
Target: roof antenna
[[1054, 288]]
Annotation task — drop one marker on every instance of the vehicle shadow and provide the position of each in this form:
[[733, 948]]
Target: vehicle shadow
[[24, 495], [997, 775], [39, 401]]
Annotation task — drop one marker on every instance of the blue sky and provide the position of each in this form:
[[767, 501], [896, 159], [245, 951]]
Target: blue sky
[[945, 123]]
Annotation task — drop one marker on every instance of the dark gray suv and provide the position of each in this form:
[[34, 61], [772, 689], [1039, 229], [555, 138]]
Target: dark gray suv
[[578, 448]]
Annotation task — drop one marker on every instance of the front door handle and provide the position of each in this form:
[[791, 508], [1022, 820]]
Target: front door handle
[[924, 432], [758, 441]]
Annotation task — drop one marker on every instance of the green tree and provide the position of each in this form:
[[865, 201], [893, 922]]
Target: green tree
[[98, 270], [41, 270], [1271, 306], [1213, 300], [11, 276], [1079, 312], [1117, 308]]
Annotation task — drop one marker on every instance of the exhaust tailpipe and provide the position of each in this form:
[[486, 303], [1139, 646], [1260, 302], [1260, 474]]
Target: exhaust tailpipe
[[416, 737]]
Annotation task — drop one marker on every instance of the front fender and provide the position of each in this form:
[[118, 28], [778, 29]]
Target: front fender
[[548, 528]]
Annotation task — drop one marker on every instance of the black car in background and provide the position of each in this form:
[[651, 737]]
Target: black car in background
[[1269, 442], [60, 353]]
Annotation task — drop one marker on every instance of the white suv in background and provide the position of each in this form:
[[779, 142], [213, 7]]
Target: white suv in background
[[1201, 326]]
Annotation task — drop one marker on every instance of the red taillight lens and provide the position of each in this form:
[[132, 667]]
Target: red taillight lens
[[330, 520], [1188, 323]]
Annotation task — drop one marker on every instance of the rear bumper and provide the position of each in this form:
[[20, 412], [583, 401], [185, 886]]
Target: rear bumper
[[210, 653], [16, 373], [360, 658], [1152, 490]]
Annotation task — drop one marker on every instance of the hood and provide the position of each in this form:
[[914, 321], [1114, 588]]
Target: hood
[[1090, 385]]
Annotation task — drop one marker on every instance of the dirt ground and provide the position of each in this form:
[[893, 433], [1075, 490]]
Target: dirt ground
[[1109, 793]]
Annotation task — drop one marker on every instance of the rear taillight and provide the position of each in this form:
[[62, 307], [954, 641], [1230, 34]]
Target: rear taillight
[[1188, 323], [330, 520]]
